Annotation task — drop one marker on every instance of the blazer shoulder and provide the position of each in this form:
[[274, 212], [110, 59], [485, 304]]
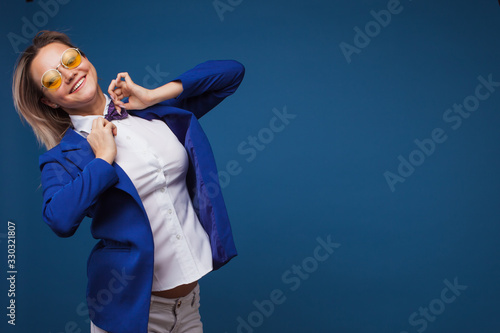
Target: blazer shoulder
[[52, 155], [70, 141]]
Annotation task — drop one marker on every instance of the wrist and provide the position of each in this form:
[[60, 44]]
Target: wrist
[[109, 159], [165, 92]]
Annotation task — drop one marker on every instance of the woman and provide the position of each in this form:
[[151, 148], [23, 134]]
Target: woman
[[143, 177]]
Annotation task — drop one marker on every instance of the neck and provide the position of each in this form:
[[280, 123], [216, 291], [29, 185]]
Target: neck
[[94, 107]]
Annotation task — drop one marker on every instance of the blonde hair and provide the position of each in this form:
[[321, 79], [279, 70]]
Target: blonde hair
[[49, 124]]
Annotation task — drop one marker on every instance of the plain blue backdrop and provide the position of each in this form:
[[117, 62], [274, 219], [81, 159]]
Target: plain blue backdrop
[[356, 101]]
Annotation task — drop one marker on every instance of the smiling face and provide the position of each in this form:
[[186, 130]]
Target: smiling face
[[78, 93]]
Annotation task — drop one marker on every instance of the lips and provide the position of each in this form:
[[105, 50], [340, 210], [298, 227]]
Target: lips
[[78, 84]]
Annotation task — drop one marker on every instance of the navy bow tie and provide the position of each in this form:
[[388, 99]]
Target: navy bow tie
[[113, 113]]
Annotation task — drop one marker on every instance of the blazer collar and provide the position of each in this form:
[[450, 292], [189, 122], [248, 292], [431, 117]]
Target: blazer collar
[[71, 140], [76, 148]]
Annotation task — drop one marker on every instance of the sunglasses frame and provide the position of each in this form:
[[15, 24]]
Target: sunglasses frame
[[61, 63]]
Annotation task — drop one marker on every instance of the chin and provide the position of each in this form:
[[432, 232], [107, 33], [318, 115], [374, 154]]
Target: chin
[[88, 91]]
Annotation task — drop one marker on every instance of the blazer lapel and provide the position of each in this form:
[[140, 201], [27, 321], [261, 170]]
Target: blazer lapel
[[77, 150]]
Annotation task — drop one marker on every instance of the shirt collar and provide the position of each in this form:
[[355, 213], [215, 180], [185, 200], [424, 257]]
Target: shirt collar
[[83, 124]]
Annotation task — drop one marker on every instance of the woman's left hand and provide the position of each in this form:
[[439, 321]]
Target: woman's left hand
[[138, 97]]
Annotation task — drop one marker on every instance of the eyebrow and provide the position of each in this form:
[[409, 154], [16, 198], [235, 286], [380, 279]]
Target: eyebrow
[[59, 60]]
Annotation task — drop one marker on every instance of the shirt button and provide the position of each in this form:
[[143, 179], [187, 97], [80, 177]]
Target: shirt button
[[179, 304], [162, 189], [159, 170], [128, 137], [178, 236], [169, 211]]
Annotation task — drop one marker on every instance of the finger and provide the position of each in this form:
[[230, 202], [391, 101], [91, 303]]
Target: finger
[[122, 75], [118, 92], [108, 124], [96, 123], [118, 81], [112, 87], [120, 104], [128, 79], [113, 127]]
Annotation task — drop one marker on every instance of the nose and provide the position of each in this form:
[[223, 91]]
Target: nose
[[67, 74]]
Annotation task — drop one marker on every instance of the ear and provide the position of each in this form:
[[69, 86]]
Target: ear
[[46, 101]]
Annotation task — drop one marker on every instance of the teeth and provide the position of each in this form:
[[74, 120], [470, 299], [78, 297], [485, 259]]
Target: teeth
[[78, 84]]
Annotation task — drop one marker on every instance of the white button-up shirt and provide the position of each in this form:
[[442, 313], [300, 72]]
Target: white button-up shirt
[[157, 163]]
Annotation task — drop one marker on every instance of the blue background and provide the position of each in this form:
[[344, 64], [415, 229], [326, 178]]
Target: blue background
[[322, 175]]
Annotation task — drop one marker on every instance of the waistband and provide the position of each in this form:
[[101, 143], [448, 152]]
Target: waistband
[[177, 301]]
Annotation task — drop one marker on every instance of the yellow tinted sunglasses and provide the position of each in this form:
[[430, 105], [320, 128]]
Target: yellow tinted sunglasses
[[52, 79]]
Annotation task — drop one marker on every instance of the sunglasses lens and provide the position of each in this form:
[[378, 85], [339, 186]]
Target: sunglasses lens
[[71, 58], [51, 79]]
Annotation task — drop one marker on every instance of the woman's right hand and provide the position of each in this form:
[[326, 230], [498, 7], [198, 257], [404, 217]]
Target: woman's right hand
[[102, 140]]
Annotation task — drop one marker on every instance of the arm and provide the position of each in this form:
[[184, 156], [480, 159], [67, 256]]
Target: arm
[[66, 201], [208, 84], [198, 90]]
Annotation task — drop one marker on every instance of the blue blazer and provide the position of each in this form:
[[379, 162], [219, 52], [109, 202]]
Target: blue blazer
[[76, 184]]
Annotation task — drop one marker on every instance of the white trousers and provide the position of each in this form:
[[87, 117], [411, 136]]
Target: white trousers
[[172, 315]]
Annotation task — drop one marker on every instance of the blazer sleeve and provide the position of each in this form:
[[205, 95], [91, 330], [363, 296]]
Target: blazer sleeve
[[207, 84], [66, 201]]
